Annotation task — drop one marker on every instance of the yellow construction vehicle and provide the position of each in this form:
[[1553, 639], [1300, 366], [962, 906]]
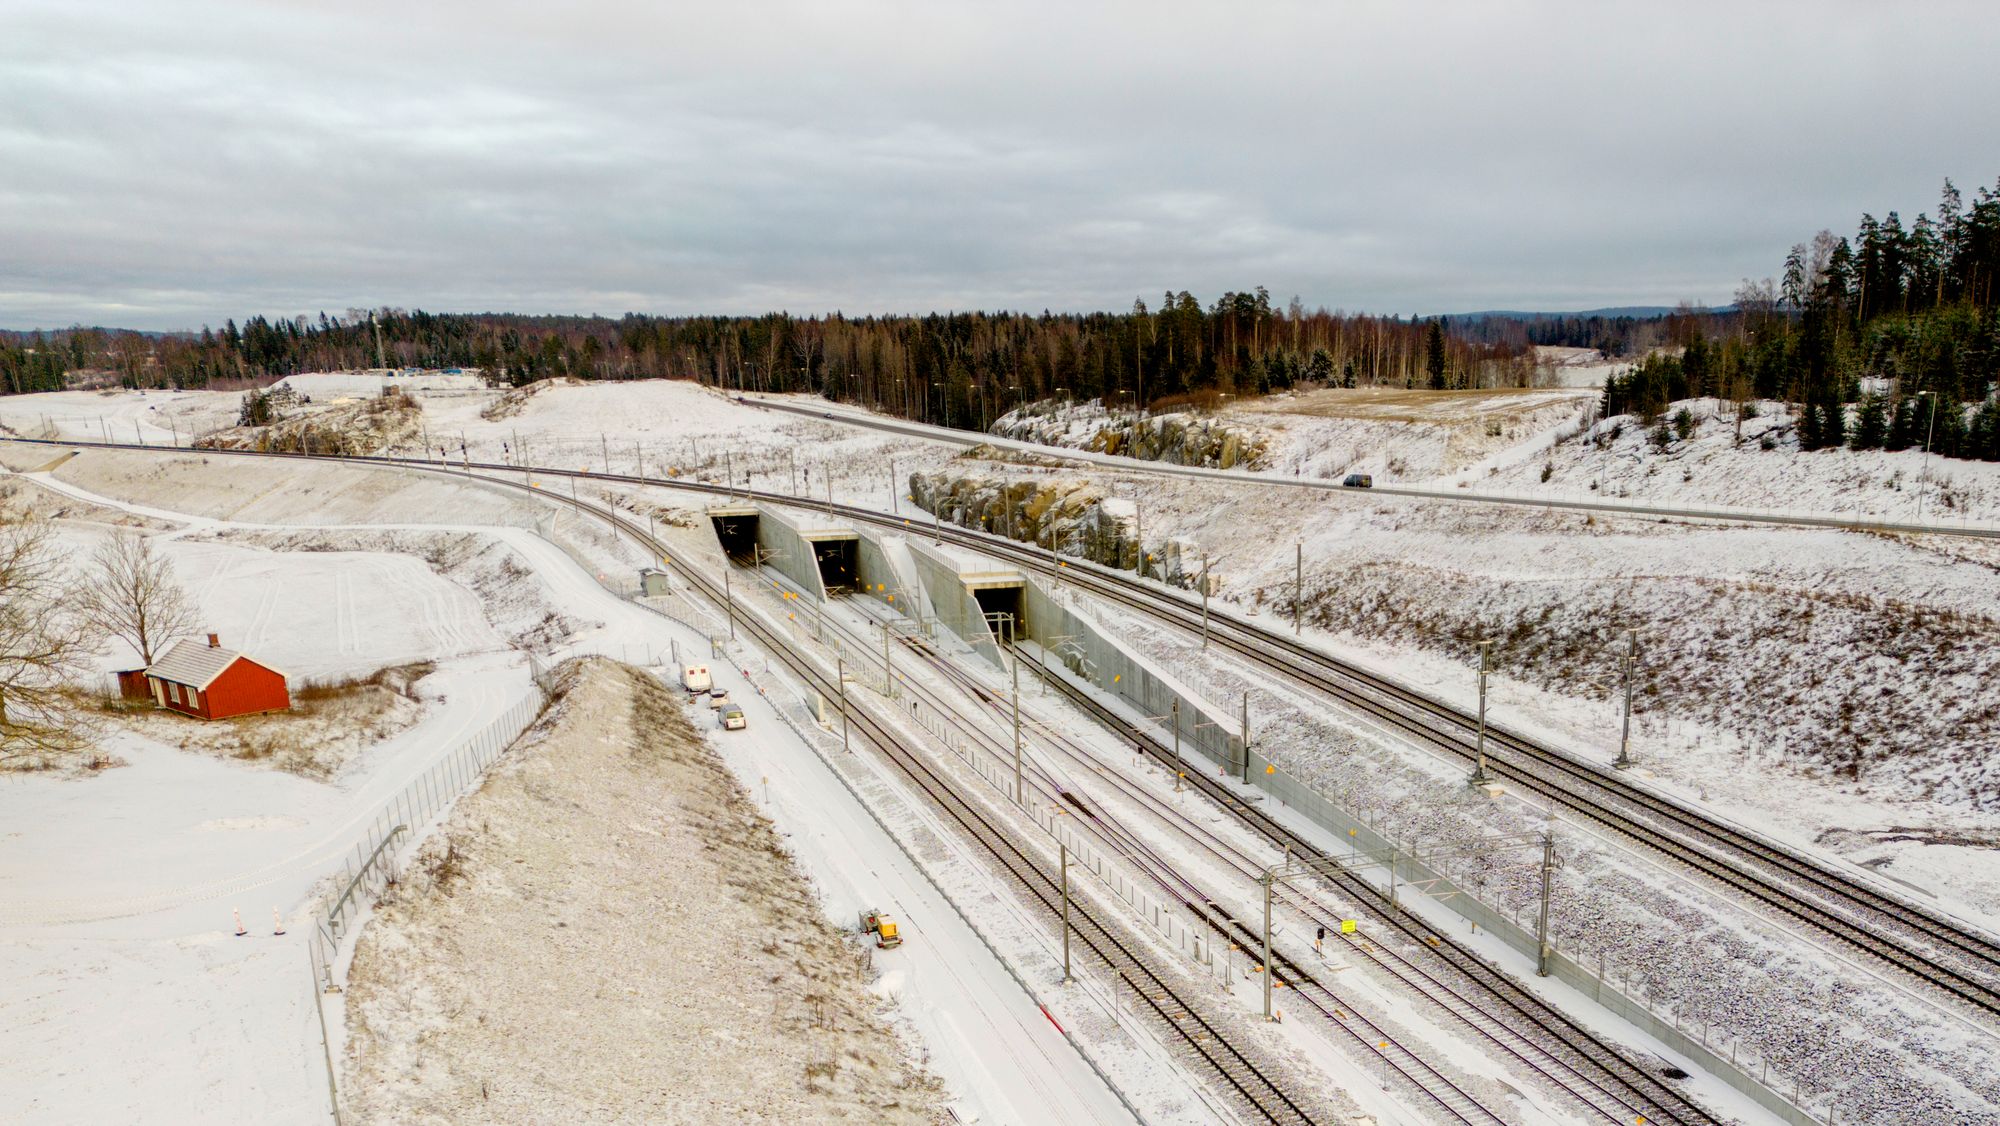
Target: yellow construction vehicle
[[882, 927]]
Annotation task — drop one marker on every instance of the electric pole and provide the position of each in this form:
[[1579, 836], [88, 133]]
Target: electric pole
[[1542, 927], [1016, 666], [1298, 586], [1178, 772], [1246, 738], [1204, 601], [1479, 775], [1062, 853], [1625, 738], [840, 673], [1270, 878], [728, 598]]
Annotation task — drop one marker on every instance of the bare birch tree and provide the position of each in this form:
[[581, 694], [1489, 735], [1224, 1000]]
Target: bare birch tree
[[133, 595], [44, 646]]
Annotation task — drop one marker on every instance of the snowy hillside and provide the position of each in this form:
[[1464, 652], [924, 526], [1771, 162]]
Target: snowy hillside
[[1763, 468], [1393, 434]]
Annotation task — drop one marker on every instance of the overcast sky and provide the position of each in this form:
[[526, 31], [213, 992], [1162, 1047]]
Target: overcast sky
[[165, 165]]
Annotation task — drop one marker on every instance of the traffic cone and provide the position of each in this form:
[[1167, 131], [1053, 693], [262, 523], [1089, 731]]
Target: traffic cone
[[238, 916], [277, 922]]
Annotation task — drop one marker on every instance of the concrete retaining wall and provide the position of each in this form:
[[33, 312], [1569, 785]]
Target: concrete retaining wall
[[957, 610], [1089, 651], [790, 553], [887, 572]]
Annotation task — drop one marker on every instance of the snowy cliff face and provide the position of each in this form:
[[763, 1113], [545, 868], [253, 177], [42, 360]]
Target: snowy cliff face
[[1178, 439]]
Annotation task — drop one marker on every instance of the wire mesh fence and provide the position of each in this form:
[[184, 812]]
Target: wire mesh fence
[[399, 819]]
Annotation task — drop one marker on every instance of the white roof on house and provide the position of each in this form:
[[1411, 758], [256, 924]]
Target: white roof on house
[[195, 663]]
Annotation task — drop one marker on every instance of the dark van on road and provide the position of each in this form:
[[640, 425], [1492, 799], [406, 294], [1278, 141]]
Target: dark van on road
[[1358, 481]]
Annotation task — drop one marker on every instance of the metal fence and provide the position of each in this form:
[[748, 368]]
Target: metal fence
[[1730, 1066], [398, 821]]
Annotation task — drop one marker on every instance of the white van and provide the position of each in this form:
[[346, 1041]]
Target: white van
[[694, 678]]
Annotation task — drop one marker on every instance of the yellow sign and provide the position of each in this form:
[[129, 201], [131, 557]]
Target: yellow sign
[[1347, 926]]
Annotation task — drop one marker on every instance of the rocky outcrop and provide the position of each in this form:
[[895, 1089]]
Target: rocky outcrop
[[1069, 516], [1178, 439]]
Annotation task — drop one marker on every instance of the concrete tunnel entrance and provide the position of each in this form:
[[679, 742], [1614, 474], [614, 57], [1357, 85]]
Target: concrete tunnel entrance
[[1001, 598], [839, 564], [736, 529]]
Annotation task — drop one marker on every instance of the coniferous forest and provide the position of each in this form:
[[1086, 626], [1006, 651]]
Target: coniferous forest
[[1883, 339], [1886, 340], [959, 369]]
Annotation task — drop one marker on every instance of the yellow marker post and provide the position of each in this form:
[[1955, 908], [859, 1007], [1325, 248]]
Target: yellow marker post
[[1270, 769], [1348, 926]]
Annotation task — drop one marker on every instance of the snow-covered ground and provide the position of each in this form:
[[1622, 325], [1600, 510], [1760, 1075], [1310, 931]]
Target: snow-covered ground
[[610, 837], [1617, 459], [171, 974], [1395, 435], [1754, 640], [157, 418]]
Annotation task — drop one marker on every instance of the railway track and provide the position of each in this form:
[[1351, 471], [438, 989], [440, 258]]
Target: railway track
[[1938, 952], [1246, 1082], [1539, 1038], [1933, 950], [1419, 1072]]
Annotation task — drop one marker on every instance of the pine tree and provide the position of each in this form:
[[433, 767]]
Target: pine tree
[[1832, 424], [1809, 432], [1434, 357], [1871, 424]]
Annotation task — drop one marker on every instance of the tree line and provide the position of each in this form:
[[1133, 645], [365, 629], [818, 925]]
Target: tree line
[[959, 369], [1886, 340]]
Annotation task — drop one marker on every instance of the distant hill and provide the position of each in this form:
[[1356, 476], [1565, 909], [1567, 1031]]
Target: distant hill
[[1636, 312]]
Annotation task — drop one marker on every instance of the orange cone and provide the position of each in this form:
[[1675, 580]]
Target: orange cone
[[277, 922], [238, 916]]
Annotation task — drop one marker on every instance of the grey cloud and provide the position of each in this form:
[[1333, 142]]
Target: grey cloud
[[165, 165]]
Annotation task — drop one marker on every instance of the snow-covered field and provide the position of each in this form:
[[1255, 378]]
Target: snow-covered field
[[1769, 657], [113, 960], [1618, 459]]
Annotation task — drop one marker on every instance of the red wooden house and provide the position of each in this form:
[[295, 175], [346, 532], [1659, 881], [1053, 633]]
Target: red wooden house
[[211, 682]]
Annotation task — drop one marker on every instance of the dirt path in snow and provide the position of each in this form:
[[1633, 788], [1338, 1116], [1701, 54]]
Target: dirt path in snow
[[607, 932]]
